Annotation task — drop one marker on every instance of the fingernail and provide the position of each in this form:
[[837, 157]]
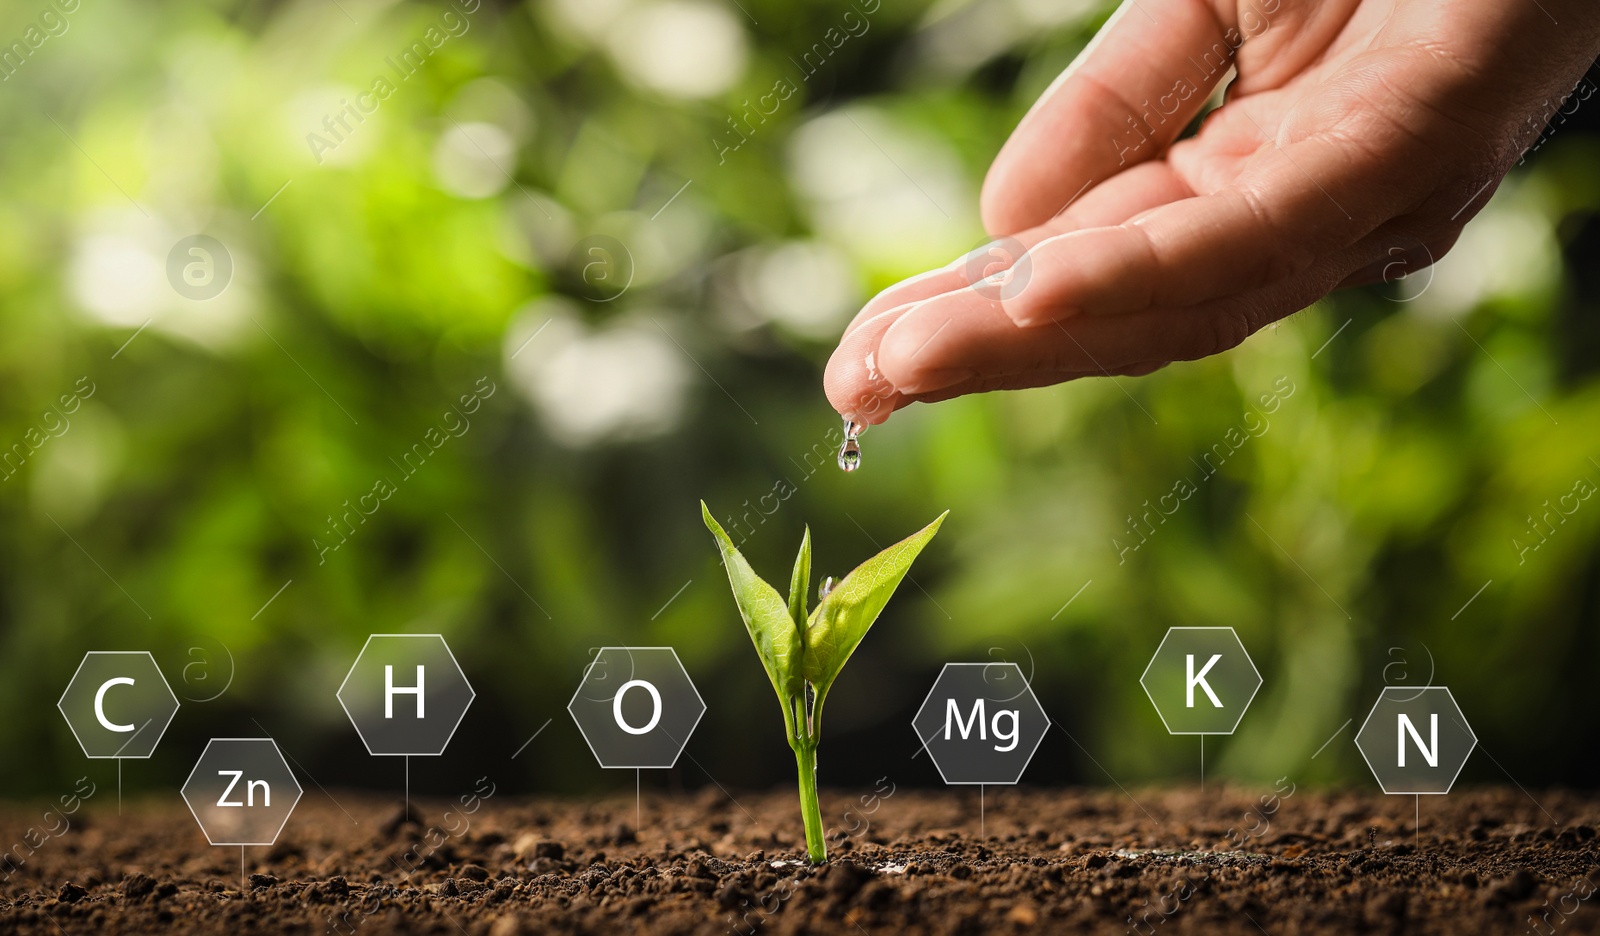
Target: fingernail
[[1027, 317]]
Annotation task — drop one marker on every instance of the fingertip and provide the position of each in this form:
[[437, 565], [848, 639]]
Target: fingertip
[[857, 400], [855, 387]]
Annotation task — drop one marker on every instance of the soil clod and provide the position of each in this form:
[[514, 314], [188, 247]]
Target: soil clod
[[71, 893], [1519, 886], [137, 886]]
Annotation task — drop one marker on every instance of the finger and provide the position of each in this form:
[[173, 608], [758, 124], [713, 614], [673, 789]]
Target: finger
[[971, 339], [1028, 381], [962, 337], [1124, 99], [1139, 189], [1292, 207]]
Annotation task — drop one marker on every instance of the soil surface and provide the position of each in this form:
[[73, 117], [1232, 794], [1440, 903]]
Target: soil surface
[[1174, 861]]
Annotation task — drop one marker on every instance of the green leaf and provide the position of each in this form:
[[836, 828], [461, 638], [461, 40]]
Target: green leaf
[[800, 581], [842, 618], [765, 614]]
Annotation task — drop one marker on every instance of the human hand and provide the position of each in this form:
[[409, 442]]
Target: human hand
[[1358, 135]]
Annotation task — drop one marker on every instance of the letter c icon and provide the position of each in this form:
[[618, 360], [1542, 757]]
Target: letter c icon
[[100, 703]]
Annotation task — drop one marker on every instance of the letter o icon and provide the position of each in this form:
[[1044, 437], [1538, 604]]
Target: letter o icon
[[655, 713]]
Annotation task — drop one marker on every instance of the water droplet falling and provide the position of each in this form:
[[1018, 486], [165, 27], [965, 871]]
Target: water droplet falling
[[850, 451], [850, 455], [825, 586]]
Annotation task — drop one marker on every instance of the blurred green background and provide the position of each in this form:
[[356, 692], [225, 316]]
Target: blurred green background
[[475, 232]]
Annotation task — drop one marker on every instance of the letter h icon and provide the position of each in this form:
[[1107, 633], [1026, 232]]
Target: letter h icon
[[390, 690]]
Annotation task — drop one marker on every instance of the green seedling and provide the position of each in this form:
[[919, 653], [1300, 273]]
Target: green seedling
[[803, 651]]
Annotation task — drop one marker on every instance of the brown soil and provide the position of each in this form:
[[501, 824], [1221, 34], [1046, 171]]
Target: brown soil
[[1481, 862]]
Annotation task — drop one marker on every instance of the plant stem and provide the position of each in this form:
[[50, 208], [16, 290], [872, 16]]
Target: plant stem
[[805, 756]]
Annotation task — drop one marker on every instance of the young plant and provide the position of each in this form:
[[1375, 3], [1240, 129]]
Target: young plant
[[802, 651]]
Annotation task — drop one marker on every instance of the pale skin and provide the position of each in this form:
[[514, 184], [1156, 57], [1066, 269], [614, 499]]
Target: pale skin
[[1357, 140]]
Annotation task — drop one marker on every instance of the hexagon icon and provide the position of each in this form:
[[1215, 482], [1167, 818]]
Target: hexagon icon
[[1201, 680], [1415, 739], [981, 723], [636, 707], [241, 791], [118, 704], [406, 694]]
